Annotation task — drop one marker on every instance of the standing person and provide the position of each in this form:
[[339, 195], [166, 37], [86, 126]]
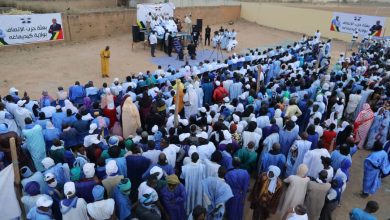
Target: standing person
[[105, 60], [207, 35], [120, 194], [101, 208], [42, 210], [379, 128], [130, 118], [363, 124], [73, 207], [173, 197], [34, 143], [316, 193], [296, 190], [153, 42], [353, 40], [238, 180], [376, 165], [313, 161], [296, 154], [216, 193], [192, 174], [266, 193], [366, 214]]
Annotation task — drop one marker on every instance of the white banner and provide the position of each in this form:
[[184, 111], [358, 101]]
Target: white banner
[[350, 23], [24, 29], [164, 9]]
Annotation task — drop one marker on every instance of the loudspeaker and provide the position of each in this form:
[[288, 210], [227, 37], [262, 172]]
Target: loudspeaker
[[136, 33], [141, 36], [199, 23]]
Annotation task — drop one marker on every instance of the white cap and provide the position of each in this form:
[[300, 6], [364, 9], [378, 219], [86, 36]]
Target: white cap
[[325, 86], [111, 167], [247, 86], [44, 201], [89, 170], [116, 79], [47, 162], [58, 107], [49, 176], [158, 170], [294, 118], [172, 107], [12, 90], [92, 128], [202, 109], [227, 135], [226, 99], [21, 103], [154, 129], [217, 83], [236, 118], [69, 188], [184, 122]]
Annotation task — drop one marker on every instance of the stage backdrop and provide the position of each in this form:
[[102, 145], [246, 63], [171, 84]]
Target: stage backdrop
[[162, 9], [24, 29], [365, 25]]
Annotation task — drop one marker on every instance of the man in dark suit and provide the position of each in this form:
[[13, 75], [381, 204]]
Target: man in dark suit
[[54, 28], [207, 35], [192, 50]]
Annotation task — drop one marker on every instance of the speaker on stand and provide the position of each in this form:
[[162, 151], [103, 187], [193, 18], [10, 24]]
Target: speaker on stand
[[136, 33], [199, 23]]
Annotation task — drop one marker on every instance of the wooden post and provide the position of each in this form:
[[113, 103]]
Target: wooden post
[[15, 164], [258, 78], [176, 118]]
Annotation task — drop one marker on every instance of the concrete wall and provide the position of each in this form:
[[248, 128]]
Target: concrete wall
[[301, 20], [40, 6], [89, 25]]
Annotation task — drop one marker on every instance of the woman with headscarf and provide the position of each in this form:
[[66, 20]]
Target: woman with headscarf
[[278, 118], [343, 134], [173, 197], [145, 105], [108, 106], [363, 124], [69, 105], [45, 100], [130, 118], [87, 103], [296, 190], [266, 193], [379, 128]]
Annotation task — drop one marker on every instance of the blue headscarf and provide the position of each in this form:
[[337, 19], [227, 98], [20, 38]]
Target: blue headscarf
[[98, 192]]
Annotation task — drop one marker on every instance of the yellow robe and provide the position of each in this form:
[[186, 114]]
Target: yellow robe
[[105, 59]]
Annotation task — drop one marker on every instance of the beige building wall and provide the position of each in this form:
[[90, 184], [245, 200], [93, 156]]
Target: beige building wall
[[89, 25], [301, 20]]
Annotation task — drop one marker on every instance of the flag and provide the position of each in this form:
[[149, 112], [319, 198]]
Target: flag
[[57, 36]]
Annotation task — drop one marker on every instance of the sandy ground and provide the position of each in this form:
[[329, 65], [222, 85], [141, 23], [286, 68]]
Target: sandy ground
[[49, 66]]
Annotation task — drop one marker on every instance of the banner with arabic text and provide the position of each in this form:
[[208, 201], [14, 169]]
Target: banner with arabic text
[[350, 23], [32, 28]]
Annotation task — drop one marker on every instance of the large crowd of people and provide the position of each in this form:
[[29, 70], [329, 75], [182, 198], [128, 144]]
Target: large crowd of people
[[184, 143]]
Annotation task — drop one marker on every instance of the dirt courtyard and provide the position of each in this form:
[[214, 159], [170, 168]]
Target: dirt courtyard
[[43, 67]]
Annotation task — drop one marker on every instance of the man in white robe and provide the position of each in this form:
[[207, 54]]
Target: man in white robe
[[193, 173], [190, 102], [313, 161], [232, 44]]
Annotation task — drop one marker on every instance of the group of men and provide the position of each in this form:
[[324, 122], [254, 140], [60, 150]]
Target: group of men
[[225, 39], [120, 151]]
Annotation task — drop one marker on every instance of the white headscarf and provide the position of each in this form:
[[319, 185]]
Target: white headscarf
[[69, 105], [274, 180]]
